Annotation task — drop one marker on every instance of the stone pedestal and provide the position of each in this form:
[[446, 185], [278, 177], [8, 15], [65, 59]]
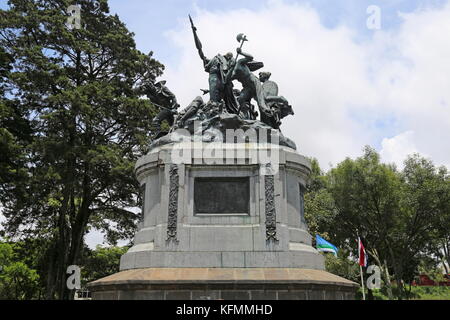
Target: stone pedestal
[[222, 221], [223, 283]]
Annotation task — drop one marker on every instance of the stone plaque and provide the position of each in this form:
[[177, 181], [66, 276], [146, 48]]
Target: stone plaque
[[221, 195]]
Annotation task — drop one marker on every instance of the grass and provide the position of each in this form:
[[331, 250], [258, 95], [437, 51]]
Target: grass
[[432, 293], [417, 293]]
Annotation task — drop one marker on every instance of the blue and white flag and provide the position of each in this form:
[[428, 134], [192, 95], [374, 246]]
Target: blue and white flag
[[324, 246]]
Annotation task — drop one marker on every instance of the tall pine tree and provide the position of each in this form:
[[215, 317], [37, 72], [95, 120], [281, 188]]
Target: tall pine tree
[[77, 90]]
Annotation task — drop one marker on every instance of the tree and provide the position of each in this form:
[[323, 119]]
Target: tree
[[14, 131], [101, 262], [320, 209], [427, 208], [17, 280], [343, 265], [367, 195], [79, 90], [402, 217], [342, 204]]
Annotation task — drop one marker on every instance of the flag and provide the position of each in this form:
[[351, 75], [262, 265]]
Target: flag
[[362, 254], [324, 246]]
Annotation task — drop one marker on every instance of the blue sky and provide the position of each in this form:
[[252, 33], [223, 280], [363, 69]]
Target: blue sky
[[151, 19], [163, 27]]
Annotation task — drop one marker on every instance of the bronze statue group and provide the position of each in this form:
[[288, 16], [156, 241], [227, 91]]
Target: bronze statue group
[[223, 70]]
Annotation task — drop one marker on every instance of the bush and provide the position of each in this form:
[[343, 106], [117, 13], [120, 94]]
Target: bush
[[17, 280], [342, 265]]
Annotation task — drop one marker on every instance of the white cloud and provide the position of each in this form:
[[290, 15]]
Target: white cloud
[[340, 89], [416, 83], [396, 149], [94, 238]]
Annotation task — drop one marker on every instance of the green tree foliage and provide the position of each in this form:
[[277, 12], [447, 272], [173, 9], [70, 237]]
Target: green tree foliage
[[14, 130], [342, 265], [319, 204], [402, 216], [367, 194], [17, 280], [79, 91], [428, 191], [101, 262]]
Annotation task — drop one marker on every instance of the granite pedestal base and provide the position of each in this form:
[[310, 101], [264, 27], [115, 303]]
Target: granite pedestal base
[[231, 229], [223, 284]]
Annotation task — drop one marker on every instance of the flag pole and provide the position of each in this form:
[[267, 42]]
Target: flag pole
[[360, 267], [362, 283]]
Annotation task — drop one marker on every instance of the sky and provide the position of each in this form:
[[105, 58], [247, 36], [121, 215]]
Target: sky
[[349, 85]]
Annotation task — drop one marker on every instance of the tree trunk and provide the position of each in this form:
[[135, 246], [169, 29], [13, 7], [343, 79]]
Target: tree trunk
[[67, 206], [369, 294], [62, 246], [51, 279], [397, 274], [79, 226], [388, 281], [384, 272], [446, 249]]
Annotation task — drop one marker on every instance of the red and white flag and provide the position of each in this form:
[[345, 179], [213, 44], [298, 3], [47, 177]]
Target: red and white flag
[[362, 254]]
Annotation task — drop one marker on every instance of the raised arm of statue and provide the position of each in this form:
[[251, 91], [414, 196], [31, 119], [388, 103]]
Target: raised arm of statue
[[247, 57], [208, 63]]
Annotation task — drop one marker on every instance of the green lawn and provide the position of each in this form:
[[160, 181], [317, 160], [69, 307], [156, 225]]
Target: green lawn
[[431, 293], [417, 293]]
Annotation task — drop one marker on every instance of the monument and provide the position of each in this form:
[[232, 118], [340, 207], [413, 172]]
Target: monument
[[223, 208]]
